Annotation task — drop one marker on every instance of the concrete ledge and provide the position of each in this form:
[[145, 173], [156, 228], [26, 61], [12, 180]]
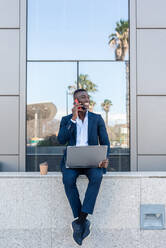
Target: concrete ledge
[[34, 211], [143, 174]]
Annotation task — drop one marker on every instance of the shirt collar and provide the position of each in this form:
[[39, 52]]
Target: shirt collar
[[86, 117]]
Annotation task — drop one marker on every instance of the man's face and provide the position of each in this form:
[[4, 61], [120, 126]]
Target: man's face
[[83, 98]]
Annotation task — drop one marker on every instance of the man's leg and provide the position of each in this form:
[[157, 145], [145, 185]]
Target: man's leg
[[69, 181], [95, 176]]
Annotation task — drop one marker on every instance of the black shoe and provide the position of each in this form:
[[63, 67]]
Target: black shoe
[[86, 229], [77, 232]]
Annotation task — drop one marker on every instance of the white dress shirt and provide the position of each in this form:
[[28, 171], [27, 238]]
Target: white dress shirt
[[82, 131]]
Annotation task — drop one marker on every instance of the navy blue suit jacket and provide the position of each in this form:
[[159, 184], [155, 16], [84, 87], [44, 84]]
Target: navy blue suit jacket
[[97, 133]]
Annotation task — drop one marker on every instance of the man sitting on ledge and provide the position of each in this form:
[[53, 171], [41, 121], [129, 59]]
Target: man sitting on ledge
[[82, 128]]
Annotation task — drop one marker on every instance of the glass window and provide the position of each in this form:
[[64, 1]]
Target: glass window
[[72, 43], [110, 100], [75, 29], [48, 99]]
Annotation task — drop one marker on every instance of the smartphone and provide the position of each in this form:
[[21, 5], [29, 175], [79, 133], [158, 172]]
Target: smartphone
[[76, 101]]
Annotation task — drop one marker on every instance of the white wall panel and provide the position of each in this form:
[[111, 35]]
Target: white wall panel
[[151, 163], [151, 61], [8, 163], [23, 39], [9, 62], [9, 124], [151, 13], [9, 13], [151, 124]]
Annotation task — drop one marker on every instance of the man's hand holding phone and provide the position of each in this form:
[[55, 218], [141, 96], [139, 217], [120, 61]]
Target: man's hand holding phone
[[77, 107]]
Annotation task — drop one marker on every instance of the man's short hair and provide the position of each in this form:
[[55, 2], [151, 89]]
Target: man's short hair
[[76, 91]]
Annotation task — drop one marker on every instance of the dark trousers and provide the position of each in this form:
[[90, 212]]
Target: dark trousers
[[95, 176]]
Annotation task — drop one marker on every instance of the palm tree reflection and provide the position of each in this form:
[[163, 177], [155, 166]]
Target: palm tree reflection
[[120, 41], [106, 107]]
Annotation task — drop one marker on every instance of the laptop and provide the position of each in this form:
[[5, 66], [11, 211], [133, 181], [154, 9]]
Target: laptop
[[85, 156]]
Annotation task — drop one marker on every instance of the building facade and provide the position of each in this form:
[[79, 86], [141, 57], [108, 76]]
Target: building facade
[[147, 91]]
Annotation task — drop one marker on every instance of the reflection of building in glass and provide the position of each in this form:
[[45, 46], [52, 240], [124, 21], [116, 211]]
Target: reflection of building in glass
[[40, 121], [118, 135]]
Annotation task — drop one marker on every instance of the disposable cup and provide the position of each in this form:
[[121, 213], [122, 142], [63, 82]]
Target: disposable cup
[[43, 168]]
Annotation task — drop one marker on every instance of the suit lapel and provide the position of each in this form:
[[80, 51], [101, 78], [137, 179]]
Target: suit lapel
[[90, 125]]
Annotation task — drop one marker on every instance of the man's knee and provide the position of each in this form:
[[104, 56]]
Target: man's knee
[[96, 176]]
